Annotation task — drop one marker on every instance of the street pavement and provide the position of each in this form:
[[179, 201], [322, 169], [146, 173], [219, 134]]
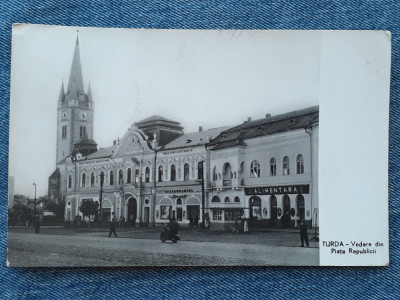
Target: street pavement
[[142, 247]]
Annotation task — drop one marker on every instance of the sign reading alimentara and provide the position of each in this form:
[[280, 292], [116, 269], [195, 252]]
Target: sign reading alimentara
[[277, 190]]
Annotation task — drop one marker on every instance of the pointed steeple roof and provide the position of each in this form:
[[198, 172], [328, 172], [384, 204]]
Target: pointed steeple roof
[[75, 83], [89, 94], [62, 93]]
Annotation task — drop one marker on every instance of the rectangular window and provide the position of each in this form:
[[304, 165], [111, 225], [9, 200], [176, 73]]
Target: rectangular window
[[165, 212], [64, 132], [232, 215], [217, 214]]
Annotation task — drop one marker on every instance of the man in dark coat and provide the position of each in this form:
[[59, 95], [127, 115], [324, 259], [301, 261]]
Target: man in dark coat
[[303, 233], [173, 227], [113, 225]]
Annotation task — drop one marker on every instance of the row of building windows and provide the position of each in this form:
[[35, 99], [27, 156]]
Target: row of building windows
[[82, 132], [255, 168], [129, 178]]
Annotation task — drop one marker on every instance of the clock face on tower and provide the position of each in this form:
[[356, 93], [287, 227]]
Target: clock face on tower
[[83, 116]]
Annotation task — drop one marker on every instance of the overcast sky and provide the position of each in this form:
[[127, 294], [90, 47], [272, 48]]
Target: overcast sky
[[197, 77]]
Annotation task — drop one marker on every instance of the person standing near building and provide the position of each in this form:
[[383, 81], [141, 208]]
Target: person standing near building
[[303, 233], [113, 225]]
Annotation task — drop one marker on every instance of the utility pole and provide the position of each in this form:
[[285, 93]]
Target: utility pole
[[101, 195], [34, 204], [202, 194]]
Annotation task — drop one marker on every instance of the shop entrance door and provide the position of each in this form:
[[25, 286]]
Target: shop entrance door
[[132, 212], [146, 216], [193, 212]]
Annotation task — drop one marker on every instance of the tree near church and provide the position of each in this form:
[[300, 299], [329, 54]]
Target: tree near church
[[88, 207]]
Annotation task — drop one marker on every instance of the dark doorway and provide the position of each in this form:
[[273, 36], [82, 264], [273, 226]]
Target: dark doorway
[[132, 212], [273, 208], [286, 211], [146, 216], [193, 212], [300, 207]]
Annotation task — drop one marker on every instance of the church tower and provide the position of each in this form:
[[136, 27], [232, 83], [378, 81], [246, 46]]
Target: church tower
[[74, 112]]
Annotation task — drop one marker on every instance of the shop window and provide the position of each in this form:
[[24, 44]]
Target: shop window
[[272, 167], [299, 164], [215, 176], [255, 169], [92, 179], [237, 199], [215, 199], [69, 181], [129, 175], [286, 170], [255, 207], [173, 173], [121, 177], [227, 200], [165, 212], [233, 214], [111, 177], [200, 170], [186, 172], [83, 180], [160, 174], [217, 214], [147, 174]]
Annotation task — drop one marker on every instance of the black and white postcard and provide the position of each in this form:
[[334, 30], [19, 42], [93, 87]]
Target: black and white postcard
[[135, 147]]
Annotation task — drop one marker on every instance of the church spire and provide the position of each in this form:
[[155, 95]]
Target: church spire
[[61, 97], [75, 83]]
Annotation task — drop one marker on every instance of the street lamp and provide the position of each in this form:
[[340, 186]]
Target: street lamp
[[34, 204], [101, 194]]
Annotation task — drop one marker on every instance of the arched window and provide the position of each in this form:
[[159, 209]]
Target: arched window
[[160, 174], [286, 170], [92, 179], [121, 177], [83, 180], [69, 181], [242, 166], [215, 176], [179, 201], [299, 164], [129, 176], [300, 206], [186, 172], [227, 175], [254, 169], [272, 167], [111, 177], [200, 170], [173, 173], [237, 199], [147, 174], [227, 200], [215, 199]]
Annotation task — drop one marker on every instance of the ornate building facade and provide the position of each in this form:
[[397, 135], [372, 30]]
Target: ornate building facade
[[265, 171]]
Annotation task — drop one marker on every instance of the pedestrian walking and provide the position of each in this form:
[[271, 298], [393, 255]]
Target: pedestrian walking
[[113, 225], [236, 228], [303, 233], [37, 225]]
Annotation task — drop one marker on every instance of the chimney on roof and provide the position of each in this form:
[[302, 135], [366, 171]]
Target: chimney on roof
[[114, 142], [267, 115], [249, 119], [200, 128]]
